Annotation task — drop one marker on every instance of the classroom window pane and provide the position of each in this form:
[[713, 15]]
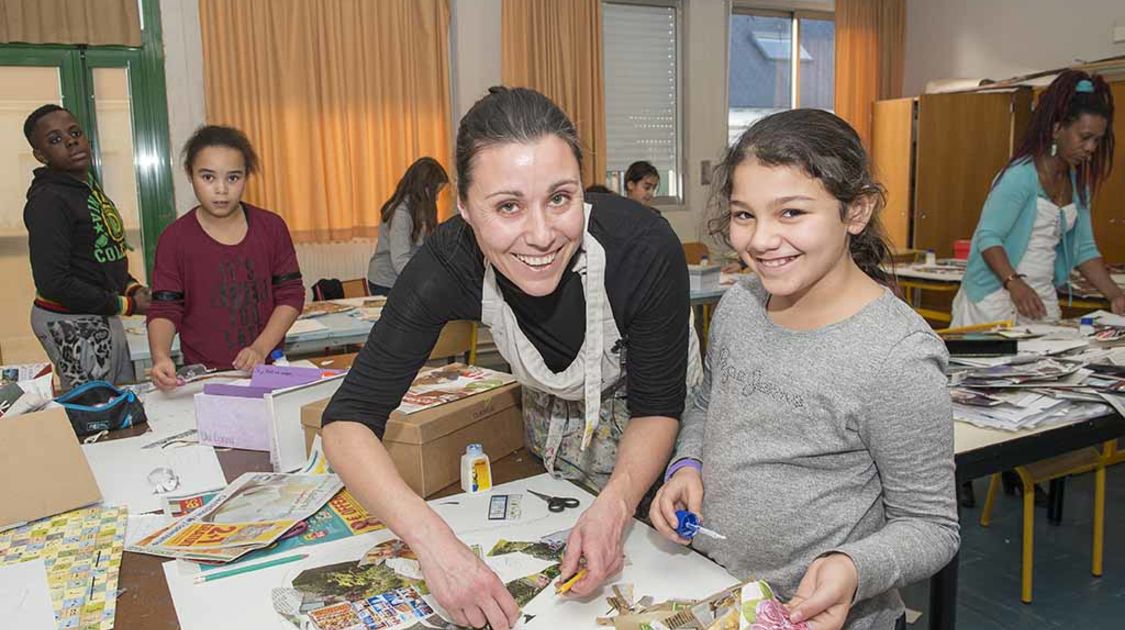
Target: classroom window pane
[[641, 92], [818, 63], [763, 66], [113, 111], [22, 90]]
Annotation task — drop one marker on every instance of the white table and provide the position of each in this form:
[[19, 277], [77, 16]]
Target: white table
[[341, 329], [655, 566]]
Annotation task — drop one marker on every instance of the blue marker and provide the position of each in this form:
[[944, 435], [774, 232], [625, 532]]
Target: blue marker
[[687, 526]]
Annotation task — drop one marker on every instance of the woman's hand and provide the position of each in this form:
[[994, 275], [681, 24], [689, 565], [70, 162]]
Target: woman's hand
[[825, 594], [1117, 305], [1026, 299], [684, 491], [596, 539], [467, 589]]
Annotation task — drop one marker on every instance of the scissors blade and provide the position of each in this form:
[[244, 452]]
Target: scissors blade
[[542, 496]]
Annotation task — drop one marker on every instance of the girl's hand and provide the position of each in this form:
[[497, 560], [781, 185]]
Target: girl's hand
[[684, 491], [825, 594], [163, 374], [1117, 305], [596, 539], [467, 589], [248, 358], [1026, 299]]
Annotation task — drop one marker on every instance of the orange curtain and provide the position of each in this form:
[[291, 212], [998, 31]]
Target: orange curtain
[[96, 22], [555, 46], [339, 97], [870, 42]]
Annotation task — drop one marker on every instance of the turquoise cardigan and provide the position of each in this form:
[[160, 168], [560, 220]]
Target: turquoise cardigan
[[1007, 219]]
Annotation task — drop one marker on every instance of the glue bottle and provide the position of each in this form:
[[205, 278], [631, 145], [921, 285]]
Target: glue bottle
[[1086, 326], [687, 526], [476, 471], [278, 358]]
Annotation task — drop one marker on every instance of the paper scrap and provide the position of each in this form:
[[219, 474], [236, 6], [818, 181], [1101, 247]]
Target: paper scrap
[[25, 600], [122, 467]]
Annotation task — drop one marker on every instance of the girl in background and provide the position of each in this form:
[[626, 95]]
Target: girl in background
[[821, 441], [226, 276], [641, 182], [1035, 226], [408, 217]]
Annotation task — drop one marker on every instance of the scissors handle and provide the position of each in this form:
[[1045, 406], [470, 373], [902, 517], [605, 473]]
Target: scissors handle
[[558, 504]]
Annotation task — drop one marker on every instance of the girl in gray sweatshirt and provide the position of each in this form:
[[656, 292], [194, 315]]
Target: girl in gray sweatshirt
[[821, 441]]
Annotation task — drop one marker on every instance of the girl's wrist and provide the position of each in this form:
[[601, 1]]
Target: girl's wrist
[[1010, 278]]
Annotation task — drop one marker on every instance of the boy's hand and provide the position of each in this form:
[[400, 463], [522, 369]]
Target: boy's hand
[[163, 374], [825, 594], [248, 358], [142, 299], [684, 491]]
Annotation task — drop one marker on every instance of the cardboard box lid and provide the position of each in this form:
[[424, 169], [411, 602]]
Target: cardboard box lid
[[42, 467], [430, 424]]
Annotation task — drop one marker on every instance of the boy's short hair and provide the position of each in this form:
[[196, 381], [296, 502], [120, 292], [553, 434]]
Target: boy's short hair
[[34, 117]]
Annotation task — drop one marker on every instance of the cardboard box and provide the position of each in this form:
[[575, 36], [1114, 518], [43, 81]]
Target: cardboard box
[[426, 446], [43, 468]]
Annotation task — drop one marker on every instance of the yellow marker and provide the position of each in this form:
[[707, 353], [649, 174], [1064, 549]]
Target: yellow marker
[[565, 586]]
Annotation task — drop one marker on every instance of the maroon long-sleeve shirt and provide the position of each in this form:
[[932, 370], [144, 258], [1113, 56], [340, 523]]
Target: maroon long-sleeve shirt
[[220, 297]]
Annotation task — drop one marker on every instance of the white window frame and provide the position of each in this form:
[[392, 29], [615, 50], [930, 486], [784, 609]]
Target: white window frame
[[681, 162]]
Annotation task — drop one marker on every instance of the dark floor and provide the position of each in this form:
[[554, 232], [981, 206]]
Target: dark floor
[[1065, 594]]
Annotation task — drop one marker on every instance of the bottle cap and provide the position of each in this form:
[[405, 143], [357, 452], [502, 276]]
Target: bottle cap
[[1086, 321], [474, 449], [277, 354], [687, 524]]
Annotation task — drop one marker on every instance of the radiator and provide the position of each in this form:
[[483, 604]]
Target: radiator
[[343, 261]]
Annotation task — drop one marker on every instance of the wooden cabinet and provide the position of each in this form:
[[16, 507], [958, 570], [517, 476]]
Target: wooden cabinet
[[892, 160], [1108, 206], [964, 140]]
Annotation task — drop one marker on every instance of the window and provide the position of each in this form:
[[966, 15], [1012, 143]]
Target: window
[[779, 61], [642, 117]]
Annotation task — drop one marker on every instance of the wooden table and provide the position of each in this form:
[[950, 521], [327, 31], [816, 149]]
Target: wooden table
[[145, 601]]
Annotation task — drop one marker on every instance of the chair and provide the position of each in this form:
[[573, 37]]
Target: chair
[[457, 338], [1073, 463], [356, 287], [695, 252]]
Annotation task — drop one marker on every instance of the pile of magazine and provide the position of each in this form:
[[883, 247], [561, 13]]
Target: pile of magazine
[[251, 513], [1058, 376]]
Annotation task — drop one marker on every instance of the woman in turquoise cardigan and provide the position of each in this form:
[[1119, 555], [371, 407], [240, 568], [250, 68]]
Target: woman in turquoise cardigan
[[1035, 225]]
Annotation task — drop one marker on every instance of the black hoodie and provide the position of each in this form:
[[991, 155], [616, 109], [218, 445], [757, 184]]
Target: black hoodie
[[77, 243]]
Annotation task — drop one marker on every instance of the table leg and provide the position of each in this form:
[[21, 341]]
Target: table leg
[[943, 596]]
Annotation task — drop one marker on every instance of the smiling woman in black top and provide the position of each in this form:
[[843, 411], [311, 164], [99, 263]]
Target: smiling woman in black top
[[586, 299]]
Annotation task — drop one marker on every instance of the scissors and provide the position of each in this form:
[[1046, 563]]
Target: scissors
[[556, 504]]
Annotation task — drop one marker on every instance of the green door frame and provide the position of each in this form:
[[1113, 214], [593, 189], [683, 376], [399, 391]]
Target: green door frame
[[152, 157]]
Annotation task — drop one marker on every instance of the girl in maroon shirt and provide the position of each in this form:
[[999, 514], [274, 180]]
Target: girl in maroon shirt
[[226, 275]]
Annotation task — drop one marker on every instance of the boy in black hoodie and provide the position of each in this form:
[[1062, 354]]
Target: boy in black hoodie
[[77, 243]]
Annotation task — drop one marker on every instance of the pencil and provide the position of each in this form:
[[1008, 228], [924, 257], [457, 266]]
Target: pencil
[[565, 586], [207, 577]]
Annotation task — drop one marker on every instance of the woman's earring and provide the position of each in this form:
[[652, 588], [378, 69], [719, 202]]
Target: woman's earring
[[1054, 149]]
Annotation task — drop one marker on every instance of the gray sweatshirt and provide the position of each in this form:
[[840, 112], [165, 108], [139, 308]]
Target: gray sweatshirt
[[394, 249], [835, 439]]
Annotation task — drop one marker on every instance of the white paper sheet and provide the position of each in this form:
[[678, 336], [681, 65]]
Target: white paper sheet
[[25, 599], [121, 468], [304, 326]]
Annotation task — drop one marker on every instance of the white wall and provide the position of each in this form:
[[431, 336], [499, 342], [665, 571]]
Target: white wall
[[183, 74], [474, 33], [1002, 38]]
